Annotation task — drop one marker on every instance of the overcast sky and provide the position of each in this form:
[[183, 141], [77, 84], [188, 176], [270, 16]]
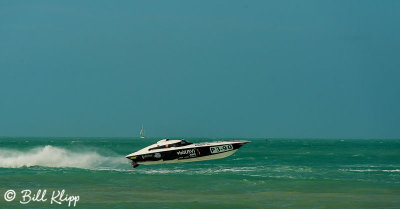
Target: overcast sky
[[298, 69]]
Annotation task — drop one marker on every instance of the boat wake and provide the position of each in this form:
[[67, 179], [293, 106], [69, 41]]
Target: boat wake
[[50, 156]]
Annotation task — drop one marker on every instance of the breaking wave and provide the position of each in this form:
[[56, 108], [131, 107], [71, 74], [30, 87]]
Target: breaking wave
[[50, 156]]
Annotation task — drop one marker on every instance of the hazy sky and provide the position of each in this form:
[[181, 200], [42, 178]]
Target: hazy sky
[[229, 68]]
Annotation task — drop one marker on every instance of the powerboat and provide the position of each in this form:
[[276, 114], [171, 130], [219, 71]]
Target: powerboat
[[180, 151]]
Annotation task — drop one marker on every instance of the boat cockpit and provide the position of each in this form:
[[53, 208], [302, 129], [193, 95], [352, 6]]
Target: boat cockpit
[[166, 143]]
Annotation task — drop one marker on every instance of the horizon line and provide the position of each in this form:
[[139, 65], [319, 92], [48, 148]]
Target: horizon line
[[174, 137]]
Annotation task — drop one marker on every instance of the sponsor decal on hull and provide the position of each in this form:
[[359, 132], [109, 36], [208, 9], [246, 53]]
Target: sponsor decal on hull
[[147, 156], [157, 155], [186, 152]]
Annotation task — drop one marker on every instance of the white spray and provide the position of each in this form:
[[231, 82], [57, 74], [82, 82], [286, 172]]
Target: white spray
[[49, 156]]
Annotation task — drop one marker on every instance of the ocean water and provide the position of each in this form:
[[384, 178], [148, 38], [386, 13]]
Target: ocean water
[[266, 173]]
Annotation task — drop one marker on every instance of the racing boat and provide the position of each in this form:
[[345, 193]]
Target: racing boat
[[177, 151]]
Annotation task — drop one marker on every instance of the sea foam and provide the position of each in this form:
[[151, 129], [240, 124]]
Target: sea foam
[[50, 156]]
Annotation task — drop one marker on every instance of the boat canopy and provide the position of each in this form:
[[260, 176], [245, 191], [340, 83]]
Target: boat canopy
[[166, 143]]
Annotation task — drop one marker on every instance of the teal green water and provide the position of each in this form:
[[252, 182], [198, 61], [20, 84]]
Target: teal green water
[[266, 173]]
